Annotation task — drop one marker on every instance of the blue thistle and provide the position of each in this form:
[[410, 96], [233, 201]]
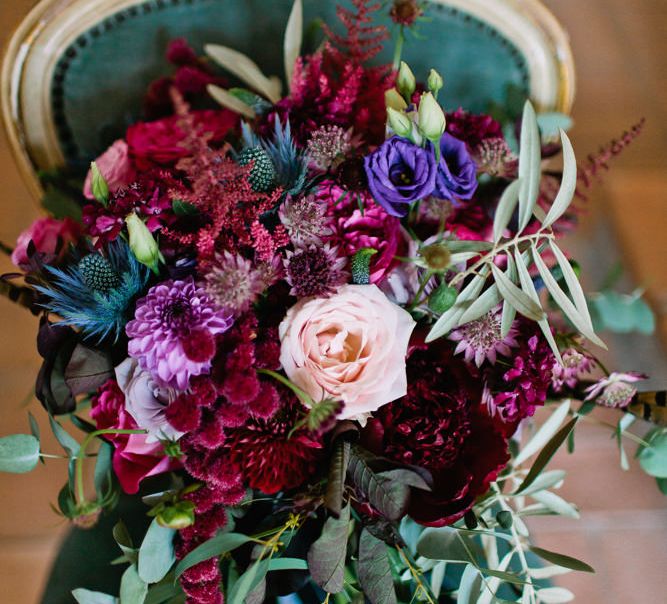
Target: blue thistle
[[290, 162], [95, 294]]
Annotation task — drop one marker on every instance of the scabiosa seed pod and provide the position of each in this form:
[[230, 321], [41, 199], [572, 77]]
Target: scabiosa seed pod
[[263, 173], [98, 274]]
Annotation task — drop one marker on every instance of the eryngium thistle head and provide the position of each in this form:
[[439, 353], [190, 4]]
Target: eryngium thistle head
[[263, 173], [305, 218], [98, 274], [315, 270], [96, 294]]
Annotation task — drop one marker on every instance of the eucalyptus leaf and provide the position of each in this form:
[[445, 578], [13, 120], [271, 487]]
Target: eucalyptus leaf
[[521, 301], [19, 453], [579, 321], [326, 557], [86, 596], [568, 184], [438, 577], [529, 165], [216, 546], [293, 39], [505, 209], [556, 504], [287, 564], [156, 554], [544, 433], [124, 541], [248, 581], [546, 454], [373, 570], [63, 437], [133, 589], [653, 459]]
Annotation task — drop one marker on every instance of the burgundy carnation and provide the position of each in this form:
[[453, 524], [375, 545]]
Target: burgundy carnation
[[441, 425]]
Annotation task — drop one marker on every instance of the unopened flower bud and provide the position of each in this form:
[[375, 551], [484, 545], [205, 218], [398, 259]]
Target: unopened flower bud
[[399, 122], [179, 516], [87, 515], [393, 100], [405, 81], [431, 118], [99, 186], [434, 82], [142, 242]]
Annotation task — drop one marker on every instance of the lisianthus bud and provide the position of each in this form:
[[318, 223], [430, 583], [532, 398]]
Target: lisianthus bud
[[434, 82], [431, 117], [393, 99], [178, 516], [86, 515], [405, 81], [100, 186], [437, 256], [399, 122], [142, 242]]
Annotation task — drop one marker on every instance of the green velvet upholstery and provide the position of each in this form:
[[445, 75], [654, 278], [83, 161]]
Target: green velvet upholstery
[[100, 80]]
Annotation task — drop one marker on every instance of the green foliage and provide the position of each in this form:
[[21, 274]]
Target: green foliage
[[183, 208], [85, 596], [340, 460], [216, 546], [562, 560], [133, 588], [653, 458], [373, 570], [156, 554], [19, 453], [620, 313]]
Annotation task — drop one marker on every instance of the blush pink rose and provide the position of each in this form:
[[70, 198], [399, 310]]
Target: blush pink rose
[[350, 347], [116, 167], [45, 234]]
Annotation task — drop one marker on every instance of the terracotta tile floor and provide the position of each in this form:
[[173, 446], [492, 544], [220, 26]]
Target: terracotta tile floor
[[621, 50]]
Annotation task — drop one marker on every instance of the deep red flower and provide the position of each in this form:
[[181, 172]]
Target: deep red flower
[[472, 128], [442, 426]]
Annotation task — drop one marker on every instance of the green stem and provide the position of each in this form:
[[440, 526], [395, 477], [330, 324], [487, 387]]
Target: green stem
[[399, 48], [302, 394], [6, 249], [78, 464], [422, 286]]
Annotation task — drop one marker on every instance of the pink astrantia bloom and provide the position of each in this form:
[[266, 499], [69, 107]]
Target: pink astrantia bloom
[[164, 321], [482, 340], [575, 364], [615, 390]]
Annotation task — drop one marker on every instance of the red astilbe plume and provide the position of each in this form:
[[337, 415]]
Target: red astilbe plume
[[336, 87], [597, 162], [221, 191]]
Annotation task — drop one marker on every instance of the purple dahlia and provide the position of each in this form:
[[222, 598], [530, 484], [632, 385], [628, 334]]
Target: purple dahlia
[[167, 322]]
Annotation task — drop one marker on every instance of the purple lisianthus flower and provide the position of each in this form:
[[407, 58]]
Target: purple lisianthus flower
[[166, 321], [399, 173], [457, 172], [146, 401]]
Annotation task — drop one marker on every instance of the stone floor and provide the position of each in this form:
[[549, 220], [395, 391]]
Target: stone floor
[[621, 50]]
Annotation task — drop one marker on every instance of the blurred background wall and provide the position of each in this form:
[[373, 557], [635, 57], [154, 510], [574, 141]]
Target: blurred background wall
[[621, 53]]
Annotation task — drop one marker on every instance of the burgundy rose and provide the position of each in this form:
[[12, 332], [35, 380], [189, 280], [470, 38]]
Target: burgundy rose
[[134, 458], [442, 426], [159, 143], [400, 173]]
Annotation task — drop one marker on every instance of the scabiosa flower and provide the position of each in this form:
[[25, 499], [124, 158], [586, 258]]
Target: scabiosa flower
[[315, 270], [481, 340], [615, 390], [328, 145], [172, 313], [271, 459], [95, 294], [406, 12], [233, 283], [575, 364], [493, 156], [305, 219]]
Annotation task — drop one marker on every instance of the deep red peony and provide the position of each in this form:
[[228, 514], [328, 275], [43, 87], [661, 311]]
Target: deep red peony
[[442, 426]]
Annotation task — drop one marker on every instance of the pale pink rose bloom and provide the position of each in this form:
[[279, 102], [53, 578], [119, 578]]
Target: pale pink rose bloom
[[350, 347], [116, 167]]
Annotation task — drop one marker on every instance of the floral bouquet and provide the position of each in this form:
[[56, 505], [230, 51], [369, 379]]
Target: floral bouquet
[[309, 332]]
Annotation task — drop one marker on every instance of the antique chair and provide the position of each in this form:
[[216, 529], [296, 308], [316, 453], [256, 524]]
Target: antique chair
[[75, 73]]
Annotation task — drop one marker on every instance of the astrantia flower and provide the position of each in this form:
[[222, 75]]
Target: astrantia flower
[[233, 282], [615, 390], [315, 270], [328, 145], [95, 294], [481, 339], [171, 313], [305, 218], [493, 156], [439, 425], [575, 364]]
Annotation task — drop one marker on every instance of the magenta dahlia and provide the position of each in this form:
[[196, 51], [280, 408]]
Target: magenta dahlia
[[166, 320]]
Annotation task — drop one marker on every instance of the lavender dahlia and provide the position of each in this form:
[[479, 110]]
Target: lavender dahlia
[[172, 314], [400, 173]]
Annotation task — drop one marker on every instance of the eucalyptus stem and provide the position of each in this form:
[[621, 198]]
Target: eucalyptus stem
[[81, 455]]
